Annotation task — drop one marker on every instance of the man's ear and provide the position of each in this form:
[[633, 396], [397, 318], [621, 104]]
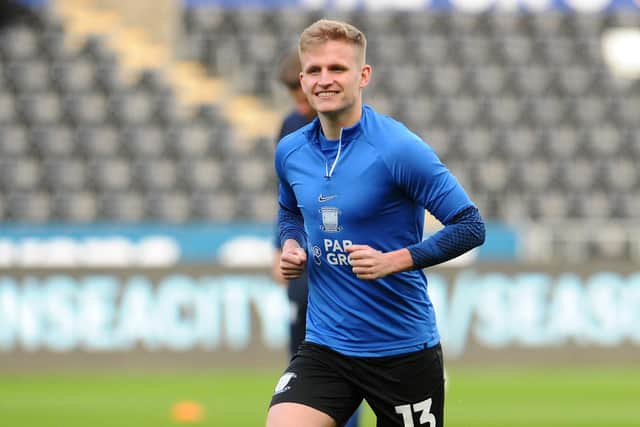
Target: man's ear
[[365, 75]]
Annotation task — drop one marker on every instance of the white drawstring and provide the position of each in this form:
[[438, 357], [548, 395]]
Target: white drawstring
[[327, 172]]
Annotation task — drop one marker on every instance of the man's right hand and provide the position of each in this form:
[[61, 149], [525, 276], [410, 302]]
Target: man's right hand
[[293, 260]]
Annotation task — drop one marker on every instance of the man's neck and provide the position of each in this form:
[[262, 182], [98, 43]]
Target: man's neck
[[333, 123]]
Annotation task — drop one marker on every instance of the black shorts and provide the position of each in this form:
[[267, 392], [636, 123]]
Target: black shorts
[[403, 391]]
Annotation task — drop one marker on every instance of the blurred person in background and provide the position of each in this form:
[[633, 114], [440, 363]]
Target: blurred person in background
[[297, 289], [14, 13], [354, 185]]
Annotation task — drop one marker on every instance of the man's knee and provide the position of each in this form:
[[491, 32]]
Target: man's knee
[[296, 415]]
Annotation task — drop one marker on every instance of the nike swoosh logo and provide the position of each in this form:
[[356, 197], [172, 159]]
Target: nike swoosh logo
[[323, 198]]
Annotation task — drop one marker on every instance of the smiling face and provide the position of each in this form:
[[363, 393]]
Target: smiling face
[[332, 78]]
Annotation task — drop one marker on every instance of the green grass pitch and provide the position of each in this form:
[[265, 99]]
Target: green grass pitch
[[477, 397]]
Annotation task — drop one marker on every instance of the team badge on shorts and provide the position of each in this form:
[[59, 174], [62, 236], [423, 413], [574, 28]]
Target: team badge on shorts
[[330, 217], [284, 383]]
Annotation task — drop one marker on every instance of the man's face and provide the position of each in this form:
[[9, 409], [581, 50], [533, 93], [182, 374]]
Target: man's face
[[332, 76]]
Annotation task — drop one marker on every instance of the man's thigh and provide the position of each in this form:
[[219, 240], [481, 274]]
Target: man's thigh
[[318, 378], [295, 415], [407, 390]]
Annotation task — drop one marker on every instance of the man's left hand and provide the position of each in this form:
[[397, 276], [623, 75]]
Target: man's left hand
[[370, 264]]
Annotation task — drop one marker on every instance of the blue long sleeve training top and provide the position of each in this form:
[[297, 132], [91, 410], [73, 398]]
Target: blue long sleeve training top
[[370, 187]]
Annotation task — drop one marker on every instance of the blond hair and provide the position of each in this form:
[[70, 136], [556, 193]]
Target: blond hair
[[324, 30]]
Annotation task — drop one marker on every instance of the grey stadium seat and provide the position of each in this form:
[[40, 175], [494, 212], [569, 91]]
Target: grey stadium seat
[[493, 175], [73, 74], [52, 141], [169, 206], [487, 79], [574, 80], [430, 49], [550, 205], [19, 42], [110, 77], [563, 142], [502, 25], [14, 141], [594, 205], [515, 50], [4, 84], [29, 206], [41, 108], [633, 142], [144, 142], [630, 204], [535, 174], [504, 110], [190, 141], [202, 175], [156, 174], [75, 206], [113, 174], [53, 44], [203, 18], [20, 173], [30, 75], [461, 110], [627, 109], [548, 23], [98, 141], [3, 208], [530, 79], [419, 111], [477, 143], [134, 107], [579, 174], [8, 111], [547, 110], [405, 81], [258, 206], [589, 110], [446, 79], [168, 111], [251, 174], [557, 49], [604, 140], [519, 142], [438, 138], [67, 174], [513, 207], [214, 206], [122, 206], [621, 174], [475, 50], [87, 108]]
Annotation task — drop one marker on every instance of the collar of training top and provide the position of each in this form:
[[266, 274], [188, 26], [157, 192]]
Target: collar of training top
[[348, 134]]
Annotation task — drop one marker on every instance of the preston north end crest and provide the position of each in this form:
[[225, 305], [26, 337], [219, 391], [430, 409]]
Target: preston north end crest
[[330, 219]]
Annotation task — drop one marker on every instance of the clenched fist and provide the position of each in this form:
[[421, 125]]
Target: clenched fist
[[293, 260]]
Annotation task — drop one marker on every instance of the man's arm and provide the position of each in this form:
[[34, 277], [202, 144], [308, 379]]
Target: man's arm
[[462, 233], [294, 239], [293, 260], [292, 235], [291, 226]]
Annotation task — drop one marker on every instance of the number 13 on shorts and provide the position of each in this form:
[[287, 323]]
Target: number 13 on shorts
[[422, 408]]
